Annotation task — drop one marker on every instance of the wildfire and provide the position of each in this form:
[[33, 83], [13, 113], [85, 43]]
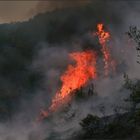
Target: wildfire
[[109, 63], [84, 69], [74, 78]]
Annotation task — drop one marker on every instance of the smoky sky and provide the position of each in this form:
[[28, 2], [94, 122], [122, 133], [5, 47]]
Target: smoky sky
[[12, 11]]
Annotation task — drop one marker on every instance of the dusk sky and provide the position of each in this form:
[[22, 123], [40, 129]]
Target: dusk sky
[[11, 11]]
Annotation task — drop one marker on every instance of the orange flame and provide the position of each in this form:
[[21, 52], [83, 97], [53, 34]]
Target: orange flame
[[74, 78], [103, 39]]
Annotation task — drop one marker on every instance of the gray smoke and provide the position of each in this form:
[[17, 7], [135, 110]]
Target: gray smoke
[[44, 6], [52, 61]]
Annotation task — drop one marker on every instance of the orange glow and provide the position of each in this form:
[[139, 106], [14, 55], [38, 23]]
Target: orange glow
[[74, 78], [103, 39]]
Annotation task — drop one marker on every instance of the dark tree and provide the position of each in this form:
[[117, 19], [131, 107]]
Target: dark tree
[[90, 124], [134, 87], [134, 34]]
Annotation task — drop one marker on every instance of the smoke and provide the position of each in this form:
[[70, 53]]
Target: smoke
[[52, 60], [14, 11], [21, 131], [44, 6]]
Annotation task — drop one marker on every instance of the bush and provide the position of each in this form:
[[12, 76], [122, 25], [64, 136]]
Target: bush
[[90, 124]]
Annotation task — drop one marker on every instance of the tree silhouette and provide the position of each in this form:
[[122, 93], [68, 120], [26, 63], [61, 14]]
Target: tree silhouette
[[134, 34]]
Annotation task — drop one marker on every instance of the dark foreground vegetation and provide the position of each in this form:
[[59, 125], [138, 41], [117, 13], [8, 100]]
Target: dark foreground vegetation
[[119, 125]]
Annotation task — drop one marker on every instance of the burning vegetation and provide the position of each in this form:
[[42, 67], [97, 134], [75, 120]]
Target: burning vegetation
[[84, 70], [104, 37], [75, 77]]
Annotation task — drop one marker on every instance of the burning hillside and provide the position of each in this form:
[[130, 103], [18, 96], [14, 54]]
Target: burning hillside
[[74, 78], [84, 70]]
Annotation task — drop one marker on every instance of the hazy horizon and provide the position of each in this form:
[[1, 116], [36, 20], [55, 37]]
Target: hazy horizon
[[14, 11]]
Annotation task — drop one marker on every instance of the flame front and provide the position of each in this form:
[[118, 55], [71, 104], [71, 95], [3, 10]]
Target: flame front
[[78, 75], [103, 39], [74, 78]]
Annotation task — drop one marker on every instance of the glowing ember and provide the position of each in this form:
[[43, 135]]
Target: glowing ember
[[74, 78], [103, 39]]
